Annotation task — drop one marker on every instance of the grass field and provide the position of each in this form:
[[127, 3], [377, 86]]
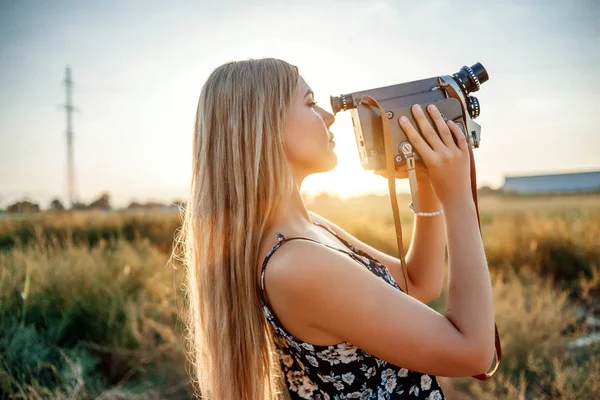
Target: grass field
[[89, 307]]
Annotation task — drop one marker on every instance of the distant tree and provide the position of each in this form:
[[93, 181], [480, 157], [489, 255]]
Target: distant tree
[[134, 205], [150, 204], [154, 204], [79, 206], [56, 205], [102, 203], [486, 190], [23, 206]]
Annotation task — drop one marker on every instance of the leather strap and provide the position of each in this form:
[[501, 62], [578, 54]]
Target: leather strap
[[390, 165]]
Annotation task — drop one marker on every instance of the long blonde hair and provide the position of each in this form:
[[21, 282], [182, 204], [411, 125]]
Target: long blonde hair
[[240, 177]]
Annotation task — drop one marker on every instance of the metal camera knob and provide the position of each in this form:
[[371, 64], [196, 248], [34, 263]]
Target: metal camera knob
[[473, 106]]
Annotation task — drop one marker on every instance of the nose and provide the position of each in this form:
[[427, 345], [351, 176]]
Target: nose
[[328, 118]]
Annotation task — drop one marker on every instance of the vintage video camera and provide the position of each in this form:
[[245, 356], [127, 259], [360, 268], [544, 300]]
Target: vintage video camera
[[450, 94]]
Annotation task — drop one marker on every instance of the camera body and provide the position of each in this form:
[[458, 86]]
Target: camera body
[[450, 94]]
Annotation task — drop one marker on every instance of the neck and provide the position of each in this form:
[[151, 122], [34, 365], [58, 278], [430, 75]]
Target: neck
[[293, 212]]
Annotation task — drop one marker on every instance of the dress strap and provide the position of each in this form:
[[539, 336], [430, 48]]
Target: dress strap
[[323, 226], [349, 245]]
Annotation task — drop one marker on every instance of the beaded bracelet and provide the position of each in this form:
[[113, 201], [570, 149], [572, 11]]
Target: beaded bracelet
[[425, 214]]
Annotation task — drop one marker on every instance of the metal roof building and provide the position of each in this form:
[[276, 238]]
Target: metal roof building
[[555, 183]]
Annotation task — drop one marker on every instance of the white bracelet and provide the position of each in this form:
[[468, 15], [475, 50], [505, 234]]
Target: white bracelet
[[426, 214]]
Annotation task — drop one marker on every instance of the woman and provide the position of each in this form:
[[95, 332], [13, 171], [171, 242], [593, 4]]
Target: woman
[[331, 319]]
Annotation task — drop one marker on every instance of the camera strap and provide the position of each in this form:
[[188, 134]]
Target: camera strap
[[390, 165]]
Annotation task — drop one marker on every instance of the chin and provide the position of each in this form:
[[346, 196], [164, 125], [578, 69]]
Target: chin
[[332, 162], [326, 163]]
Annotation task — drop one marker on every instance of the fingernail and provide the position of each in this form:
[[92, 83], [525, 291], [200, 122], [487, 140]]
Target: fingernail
[[416, 107], [431, 107], [403, 119]]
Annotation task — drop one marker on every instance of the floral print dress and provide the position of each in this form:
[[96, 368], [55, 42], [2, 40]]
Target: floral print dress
[[343, 371]]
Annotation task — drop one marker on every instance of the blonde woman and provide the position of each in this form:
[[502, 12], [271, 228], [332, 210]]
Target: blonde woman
[[282, 302]]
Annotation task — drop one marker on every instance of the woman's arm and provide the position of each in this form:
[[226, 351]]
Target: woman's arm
[[426, 255]]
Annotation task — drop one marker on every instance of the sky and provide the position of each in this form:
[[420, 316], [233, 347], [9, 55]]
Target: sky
[[138, 68]]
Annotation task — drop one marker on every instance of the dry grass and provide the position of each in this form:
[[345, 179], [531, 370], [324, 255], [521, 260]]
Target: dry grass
[[532, 316], [76, 322], [89, 308]]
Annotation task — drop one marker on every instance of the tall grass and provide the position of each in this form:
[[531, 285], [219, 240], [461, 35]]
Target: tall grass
[[93, 319], [533, 316], [89, 306]]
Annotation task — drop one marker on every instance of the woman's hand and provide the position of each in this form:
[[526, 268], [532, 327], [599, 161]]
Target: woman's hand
[[446, 164]]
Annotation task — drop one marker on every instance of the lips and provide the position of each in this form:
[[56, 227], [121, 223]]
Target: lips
[[331, 138]]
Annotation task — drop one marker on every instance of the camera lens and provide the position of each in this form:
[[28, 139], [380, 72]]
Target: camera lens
[[342, 102], [471, 78], [336, 104]]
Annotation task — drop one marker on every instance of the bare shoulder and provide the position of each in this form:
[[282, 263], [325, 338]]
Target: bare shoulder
[[391, 263], [313, 286]]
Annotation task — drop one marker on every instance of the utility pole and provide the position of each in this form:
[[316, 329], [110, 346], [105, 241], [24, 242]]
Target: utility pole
[[69, 108]]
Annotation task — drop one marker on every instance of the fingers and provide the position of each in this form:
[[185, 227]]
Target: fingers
[[459, 135], [415, 139], [441, 125], [428, 131]]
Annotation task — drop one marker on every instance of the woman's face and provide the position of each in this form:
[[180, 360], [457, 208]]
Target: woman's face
[[307, 136]]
